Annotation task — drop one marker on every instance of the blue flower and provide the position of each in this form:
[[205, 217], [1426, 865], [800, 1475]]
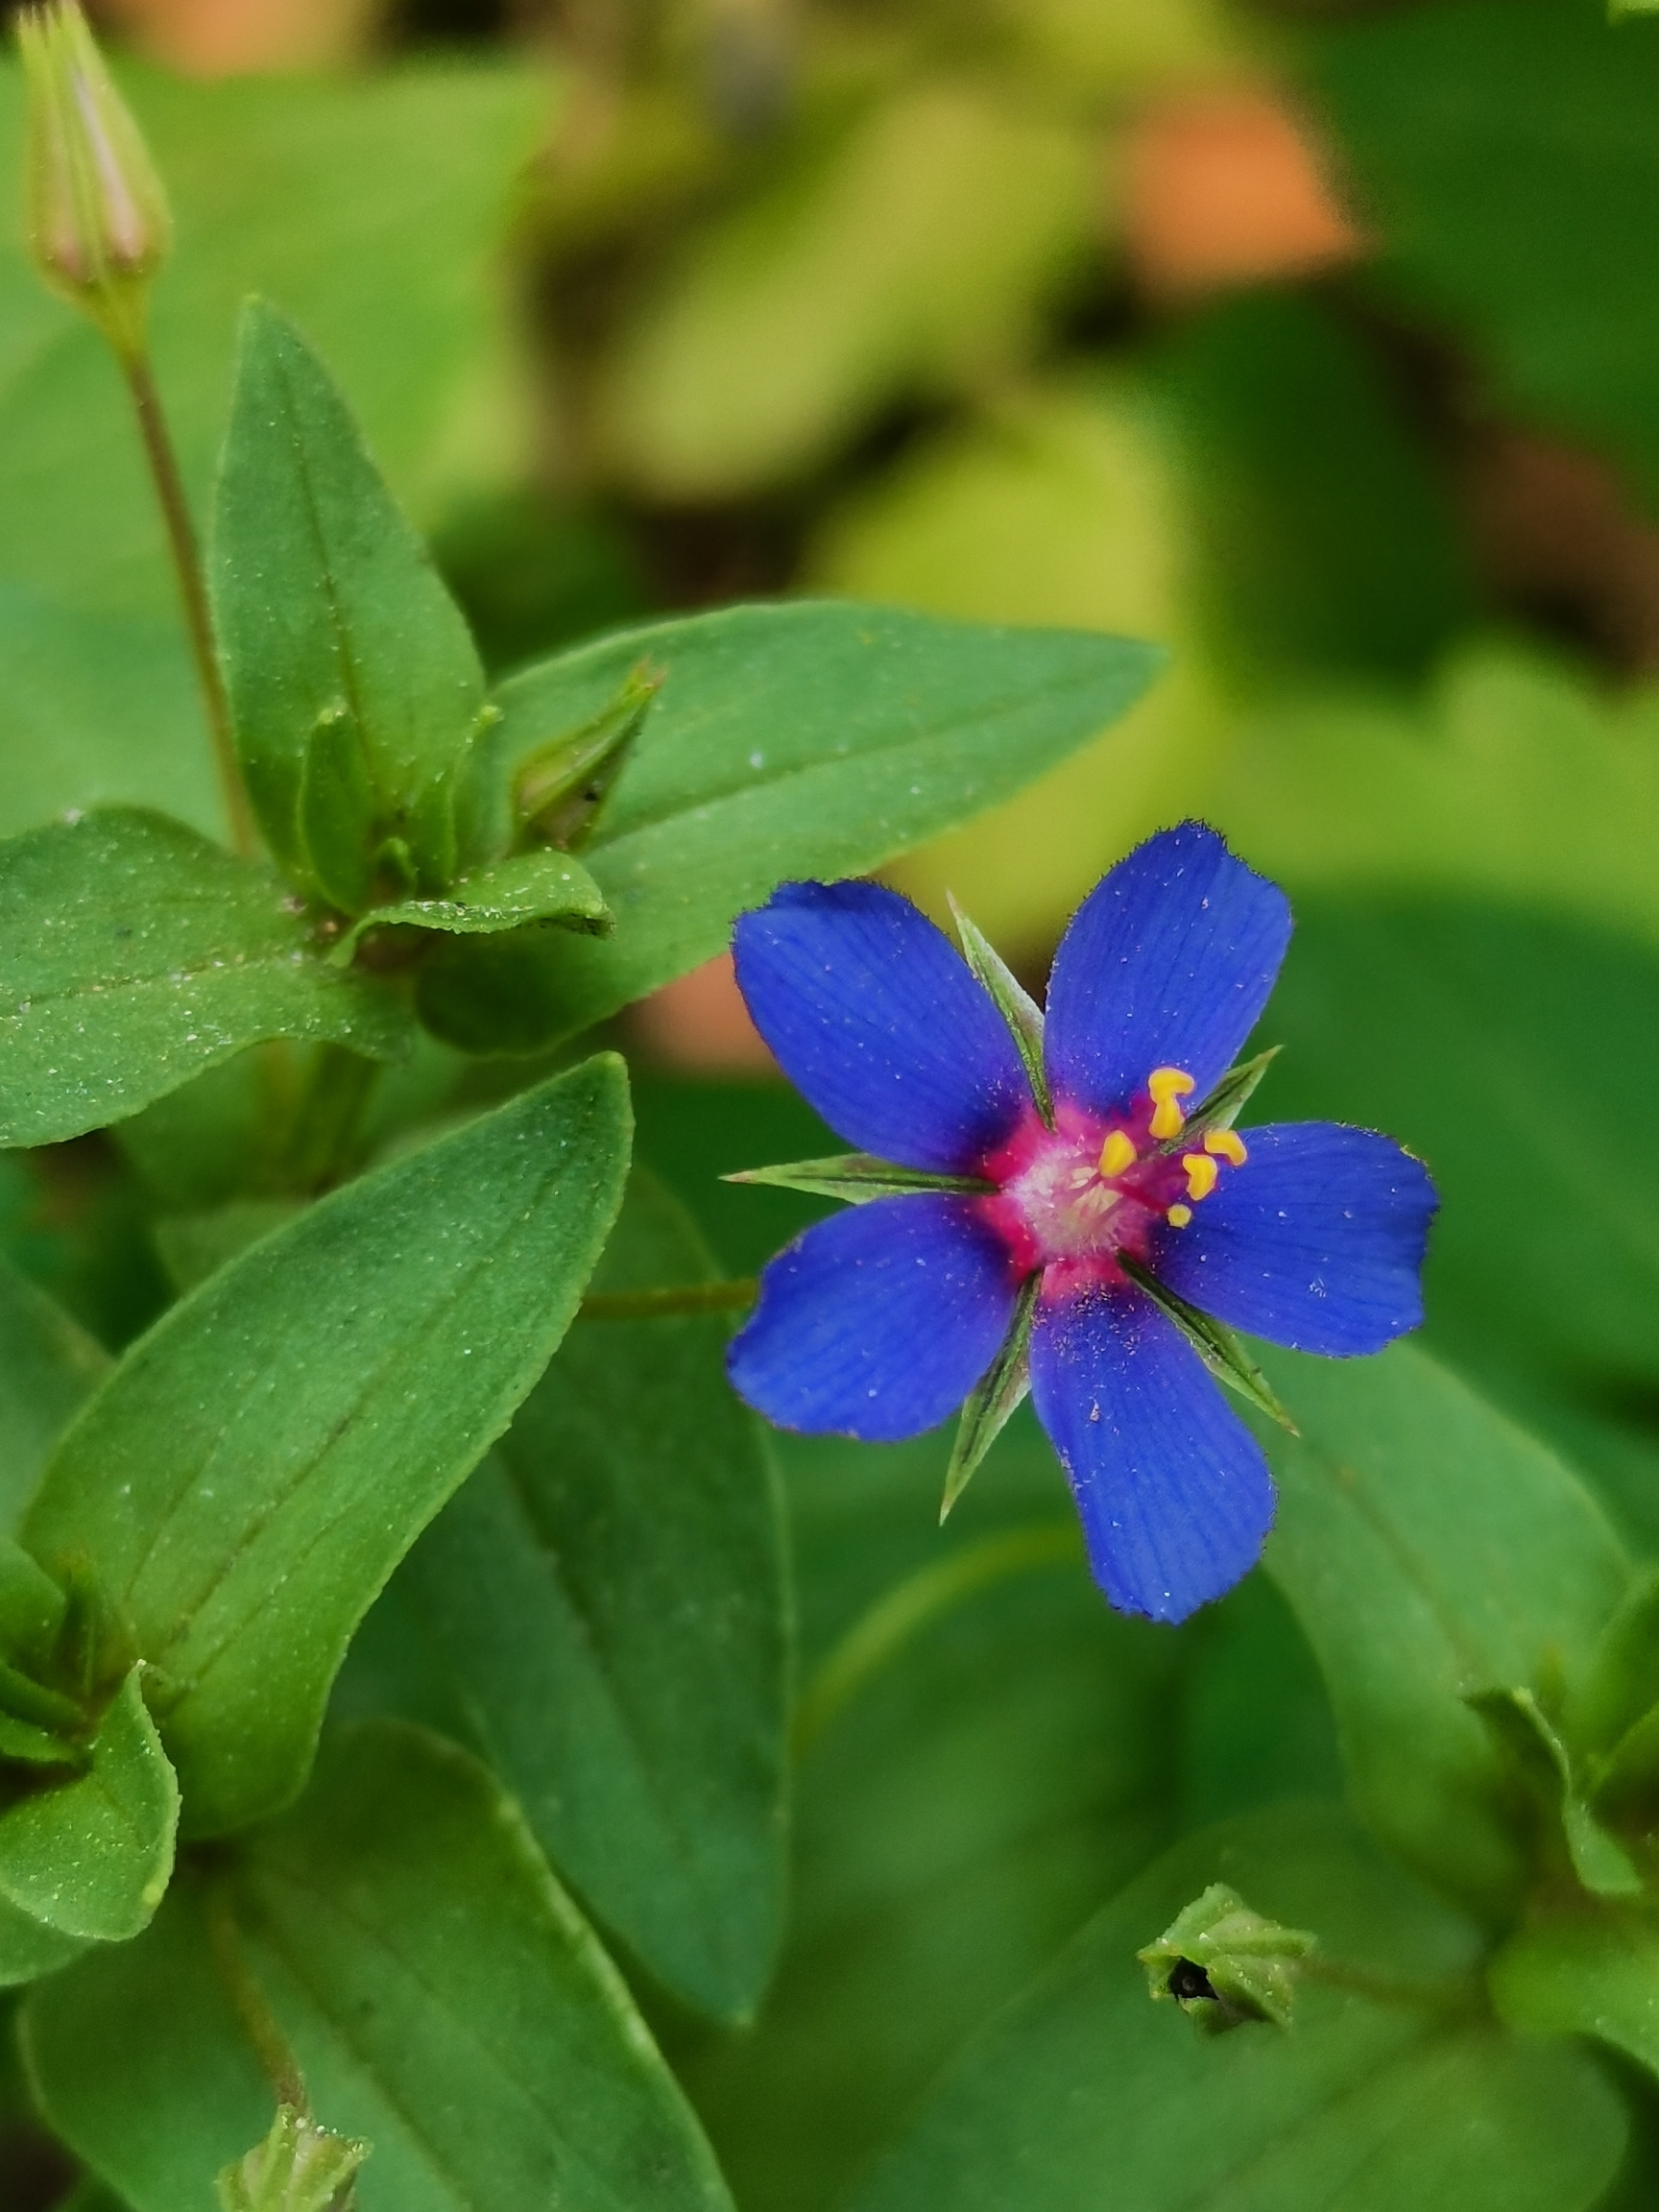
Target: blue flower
[[1077, 1176]]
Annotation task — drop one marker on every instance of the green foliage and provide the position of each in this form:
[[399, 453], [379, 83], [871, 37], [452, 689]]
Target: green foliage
[[1431, 1550], [1502, 149], [47, 1365], [135, 954], [1084, 2096], [250, 1473], [445, 2000], [338, 637], [748, 770], [607, 1599]]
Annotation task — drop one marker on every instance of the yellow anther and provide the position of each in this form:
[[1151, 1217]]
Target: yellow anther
[[1227, 1144], [1178, 1217], [1201, 1174], [1117, 1153], [1167, 1085]]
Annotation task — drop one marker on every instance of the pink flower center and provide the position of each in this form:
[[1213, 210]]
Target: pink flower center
[[1072, 1198]]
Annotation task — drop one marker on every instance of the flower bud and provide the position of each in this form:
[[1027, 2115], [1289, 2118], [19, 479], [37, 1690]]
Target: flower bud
[[98, 222], [1224, 1964], [299, 2167]]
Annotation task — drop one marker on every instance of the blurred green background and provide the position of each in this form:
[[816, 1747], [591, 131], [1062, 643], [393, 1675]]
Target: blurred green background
[[1320, 341]]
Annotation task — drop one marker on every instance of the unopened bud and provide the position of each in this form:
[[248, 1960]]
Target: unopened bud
[[98, 222], [560, 789], [1224, 1964], [299, 2167]]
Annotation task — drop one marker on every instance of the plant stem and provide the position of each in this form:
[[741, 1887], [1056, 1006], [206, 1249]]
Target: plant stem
[[657, 1305], [192, 590], [260, 2024], [325, 1120]]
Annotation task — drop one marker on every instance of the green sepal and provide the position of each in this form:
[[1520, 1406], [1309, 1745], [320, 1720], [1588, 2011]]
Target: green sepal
[[1224, 1964], [1221, 1107], [335, 826], [559, 789], [859, 1176], [544, 886], [24, 1700], [23, 1744], [1519, 1723], [1013, 1001], [1622, 1682], [1214, 1342], [995, 1399], [299, 2167]]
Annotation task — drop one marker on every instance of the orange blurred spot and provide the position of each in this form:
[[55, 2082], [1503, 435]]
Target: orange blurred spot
[[1227, 189], [231, 38], [700, 1022]]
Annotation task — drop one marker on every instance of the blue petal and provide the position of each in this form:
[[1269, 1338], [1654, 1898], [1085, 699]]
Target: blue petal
[[877, 1018], [878, 1322], [1173, 1492], [1316, 1242], [1167, 964]]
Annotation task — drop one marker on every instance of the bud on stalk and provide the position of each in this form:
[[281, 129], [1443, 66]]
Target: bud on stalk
[[98, 222]]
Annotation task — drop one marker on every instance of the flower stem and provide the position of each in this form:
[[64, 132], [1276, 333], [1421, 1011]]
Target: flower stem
[[904, 1612], [260, 2024], [192, 590], [326, 1118], [657, 1305]]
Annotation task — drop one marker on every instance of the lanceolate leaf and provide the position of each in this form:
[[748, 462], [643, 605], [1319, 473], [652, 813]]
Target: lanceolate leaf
[[254, 1468], [798, 741], [444, 1997], [856, 1176], [47, 1365], [1590, 1972], [327, 602], [1431, 1550], [1519, 1723], [607, 1599], [133, 954]]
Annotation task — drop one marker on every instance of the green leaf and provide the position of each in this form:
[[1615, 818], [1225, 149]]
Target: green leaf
[[1499, 154], [133, 954], [334, 837], [1467, 1031], [1589, 1973], [1014, 1003], [1391, 2090], [444, 1999], [47, 1365], [1215, 1343], [994, 1399], [92, 1858], [856, 1176], [1431, 1550], [512, 893], [327, 603], [254, 1468], [985, 1750], [607, 1599], [807, 740]]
